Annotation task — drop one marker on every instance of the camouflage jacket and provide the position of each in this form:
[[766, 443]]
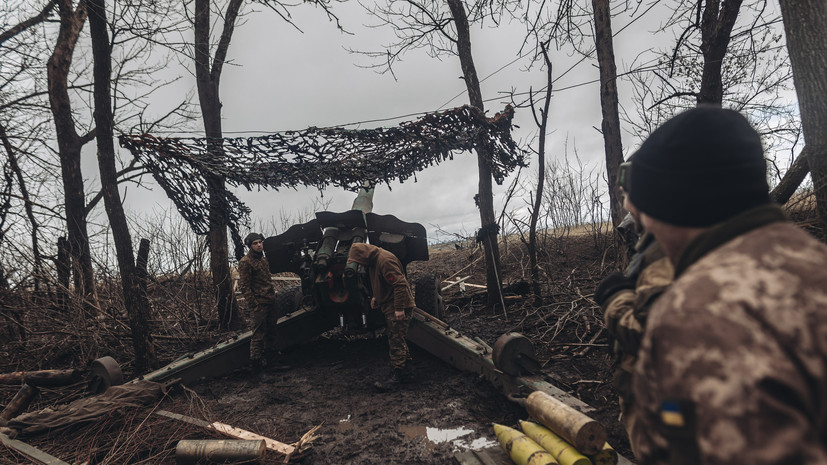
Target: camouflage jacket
[[733, 365], [387, 279], [254, 279], [625, 312]]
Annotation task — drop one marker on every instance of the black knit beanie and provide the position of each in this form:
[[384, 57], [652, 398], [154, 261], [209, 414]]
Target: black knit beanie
[[248, 241], [701, 167]]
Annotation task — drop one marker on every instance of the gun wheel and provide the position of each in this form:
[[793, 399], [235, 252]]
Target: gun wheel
[[428, 296], [289, 299]]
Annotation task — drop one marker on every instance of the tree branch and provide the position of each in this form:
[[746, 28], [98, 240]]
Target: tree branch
[[40, 17]]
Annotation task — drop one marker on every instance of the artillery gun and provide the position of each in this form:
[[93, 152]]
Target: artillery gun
[[332, 293], [337, 292]]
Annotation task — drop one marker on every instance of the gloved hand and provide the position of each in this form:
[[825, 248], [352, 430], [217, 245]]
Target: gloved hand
[[610, 285]]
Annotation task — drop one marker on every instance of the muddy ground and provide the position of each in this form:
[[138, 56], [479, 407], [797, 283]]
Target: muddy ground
[[330, 380]]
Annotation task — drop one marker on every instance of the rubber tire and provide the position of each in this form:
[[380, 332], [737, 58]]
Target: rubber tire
[[427, 295], [289, 299]]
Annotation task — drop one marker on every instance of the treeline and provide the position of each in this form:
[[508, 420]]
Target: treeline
[[77, 73]]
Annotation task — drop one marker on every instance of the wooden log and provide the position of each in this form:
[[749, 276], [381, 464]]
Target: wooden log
[[584, 433], [190, 451], [44, 378], [18, 404], [563, 452]]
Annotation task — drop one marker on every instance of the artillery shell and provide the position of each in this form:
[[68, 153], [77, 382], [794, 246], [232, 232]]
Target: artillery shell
[[563, 452], [521, 449], [19, 402], [584, 433], [191, 451], [606, 456]]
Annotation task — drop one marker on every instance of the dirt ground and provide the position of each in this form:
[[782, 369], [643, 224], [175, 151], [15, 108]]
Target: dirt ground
[[330, 383], [426, 422]]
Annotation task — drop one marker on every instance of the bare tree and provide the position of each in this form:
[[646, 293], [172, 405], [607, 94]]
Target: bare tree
[[727, 53], [14, 165], [135, 300], [542, 124], [28, 22], [426, 23], [804, 23], [208, 76], [70, 142], [25, 128], [43, 106], [716, 23], [573, 24], [609, 103]]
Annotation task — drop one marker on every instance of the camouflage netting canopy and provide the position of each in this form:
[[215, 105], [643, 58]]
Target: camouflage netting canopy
[[318, 157]]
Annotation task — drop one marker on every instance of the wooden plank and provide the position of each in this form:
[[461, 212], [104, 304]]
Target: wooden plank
[[454, 283], [462, 282], [487, 456], [32, 453], [231, 431]]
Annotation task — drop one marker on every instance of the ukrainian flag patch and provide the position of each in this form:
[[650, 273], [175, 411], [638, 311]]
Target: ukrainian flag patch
[[671, 415]]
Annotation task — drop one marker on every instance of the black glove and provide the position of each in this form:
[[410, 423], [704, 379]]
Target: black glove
[[610, 285]]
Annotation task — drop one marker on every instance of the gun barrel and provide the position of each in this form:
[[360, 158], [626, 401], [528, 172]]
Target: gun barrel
[[363, 201]]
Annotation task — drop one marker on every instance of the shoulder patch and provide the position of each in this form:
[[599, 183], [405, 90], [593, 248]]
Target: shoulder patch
[[390, 278], [671, 414]]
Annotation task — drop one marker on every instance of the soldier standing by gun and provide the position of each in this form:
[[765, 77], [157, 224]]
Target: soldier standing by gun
[[625, 299], [257, 287], [392, 294]]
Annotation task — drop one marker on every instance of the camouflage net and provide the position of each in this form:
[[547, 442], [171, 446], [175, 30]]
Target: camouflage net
[[318, 157]]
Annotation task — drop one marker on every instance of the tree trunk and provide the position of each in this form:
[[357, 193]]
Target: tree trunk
[[135, 301], [804, 24], [609, 103], [716, 27], [485, 196], [64, 269], [27, 205], [143, 258], [207, 80], [541, 176], [69, 144], [792, 179]]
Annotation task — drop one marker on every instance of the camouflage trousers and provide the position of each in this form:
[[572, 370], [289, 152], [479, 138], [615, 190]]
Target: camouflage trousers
[[264, 320], [397, 333]]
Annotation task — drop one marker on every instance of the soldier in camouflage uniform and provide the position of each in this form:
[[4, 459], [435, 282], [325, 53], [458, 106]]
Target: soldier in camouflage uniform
[[258, 291], [392, 294], [733, 363], [625, 299]]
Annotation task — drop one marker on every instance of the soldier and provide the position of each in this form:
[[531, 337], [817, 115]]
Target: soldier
[[260, 295], [392, 294], [733, 363], [625, 299]]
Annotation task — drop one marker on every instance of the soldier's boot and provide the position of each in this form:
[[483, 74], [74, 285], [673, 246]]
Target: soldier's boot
[[408, 375], [274, 363], [257, 365], [397, 378]]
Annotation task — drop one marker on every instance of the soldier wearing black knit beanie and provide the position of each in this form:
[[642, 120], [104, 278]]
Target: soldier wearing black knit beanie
[[699, 168], [731, 364]]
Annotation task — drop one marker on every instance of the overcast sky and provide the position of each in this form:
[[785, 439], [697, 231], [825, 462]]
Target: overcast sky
[[282, 79]]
